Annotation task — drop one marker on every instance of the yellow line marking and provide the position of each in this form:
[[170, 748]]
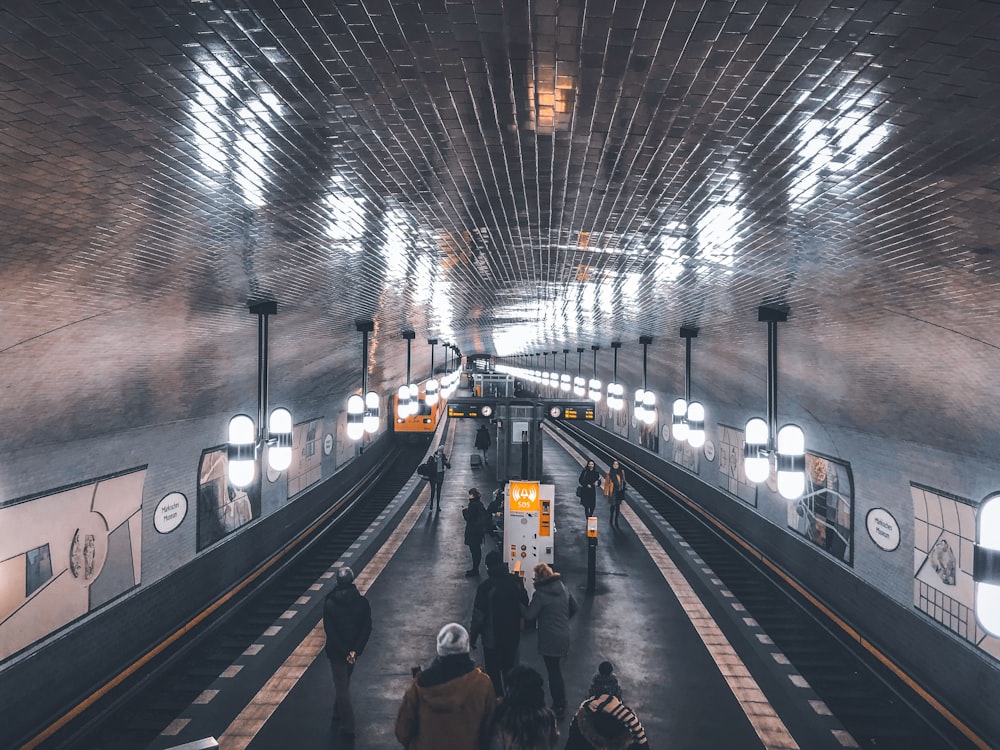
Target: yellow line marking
[[241, 732], [765, 721]]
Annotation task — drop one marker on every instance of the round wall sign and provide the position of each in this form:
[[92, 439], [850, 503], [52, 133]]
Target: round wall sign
[[665, 432], [328, 444], [882, 528], [169, 512], [709, 450]]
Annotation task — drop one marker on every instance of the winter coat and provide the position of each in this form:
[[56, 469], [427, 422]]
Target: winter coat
[[503, 731], [614, 485], [477, 521], [449, 705], [483, 440], [347, 621], [589, 480], [441, 463], [605, 723], [496, 613], [550, 606]]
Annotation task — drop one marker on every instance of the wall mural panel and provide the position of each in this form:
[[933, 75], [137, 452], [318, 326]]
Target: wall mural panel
[[825, 513], [67, 553], [731, 476], [222, 508], [944, 534], [307, 456]]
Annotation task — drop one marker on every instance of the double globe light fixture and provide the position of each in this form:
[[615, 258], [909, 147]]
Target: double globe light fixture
[[616, 392], [644, 405], [408, 395], [759, 436], [363, 413], [594, 385], [579, 384], [246, 438], [688, 416], [431, 387]]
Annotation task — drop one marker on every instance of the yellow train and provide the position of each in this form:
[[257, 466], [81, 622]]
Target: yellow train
[[424, 422]]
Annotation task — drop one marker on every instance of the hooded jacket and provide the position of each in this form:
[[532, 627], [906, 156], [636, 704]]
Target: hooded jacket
[[605, 723], [347, 621], [550, 606], [449, 705]]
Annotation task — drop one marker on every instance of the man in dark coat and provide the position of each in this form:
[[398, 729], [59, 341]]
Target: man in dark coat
[[483, 442], [347, 620], [496, 616], [441, 464], [477, 523]]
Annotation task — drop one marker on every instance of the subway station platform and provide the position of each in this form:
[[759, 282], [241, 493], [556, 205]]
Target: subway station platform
[[696, 671]]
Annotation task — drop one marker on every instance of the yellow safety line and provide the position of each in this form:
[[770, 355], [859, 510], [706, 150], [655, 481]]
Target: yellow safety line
[[242, 730], [142, 661], [765, 721], [833, 617]]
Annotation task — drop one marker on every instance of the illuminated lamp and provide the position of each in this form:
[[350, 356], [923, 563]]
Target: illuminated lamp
[[696, 424], [355, 417], [791, 462]]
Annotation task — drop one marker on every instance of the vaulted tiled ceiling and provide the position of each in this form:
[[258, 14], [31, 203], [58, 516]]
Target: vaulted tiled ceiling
[[512, 176]]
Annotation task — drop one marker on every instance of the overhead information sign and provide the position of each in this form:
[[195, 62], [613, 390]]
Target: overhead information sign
[[579, 410], [470, 408]]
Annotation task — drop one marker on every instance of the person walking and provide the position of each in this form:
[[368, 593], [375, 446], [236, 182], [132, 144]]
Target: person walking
[[603, 721], [441, 464], [483, 442], [477, 523], [522, 721], [589, 480], [614, 489], [551, 607], [347, 622], [451, 703], [496, 616]]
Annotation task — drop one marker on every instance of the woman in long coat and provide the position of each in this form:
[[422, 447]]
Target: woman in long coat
[[589, 480], [614, 488], [552, 605]]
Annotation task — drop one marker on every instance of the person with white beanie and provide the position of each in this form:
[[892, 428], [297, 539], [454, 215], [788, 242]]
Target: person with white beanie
[[450, 704]]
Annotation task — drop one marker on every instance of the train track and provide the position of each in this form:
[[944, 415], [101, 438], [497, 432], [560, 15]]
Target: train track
[[137, 715], [874, 706]]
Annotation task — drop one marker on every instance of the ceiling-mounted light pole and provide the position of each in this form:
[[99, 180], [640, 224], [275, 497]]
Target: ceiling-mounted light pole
[[616, 392], [431, 387], [407, 396], [594, 389], [245, 438], [564, 379], [688, 416], [579, 385], [762, 438], [645, 399], [363, 412]]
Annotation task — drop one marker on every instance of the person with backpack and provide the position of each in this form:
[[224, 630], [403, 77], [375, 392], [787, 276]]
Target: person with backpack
[[603, 721], [496, 616], [441, 464], [477, 523], [483, 442]]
